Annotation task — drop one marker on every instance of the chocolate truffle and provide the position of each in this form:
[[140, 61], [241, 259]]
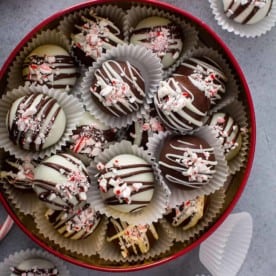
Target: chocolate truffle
[[90, 138], [187, 162], [247, 11], [126, 183], [118, 87], [50, 65], [93, 36], [162, 36], [35, 266], [75, 224], [61, 181], [35, 122], [18, 173], [131, 239], [228, 131], [180, 104], [206, 75], [187, 214]]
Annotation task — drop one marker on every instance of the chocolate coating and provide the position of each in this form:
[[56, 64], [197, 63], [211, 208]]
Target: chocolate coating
[[131, 239], [162, 36], [126, 183], [247, 11], [50, 65], [118, 87], [35, 266], [180, 104], [75, 224], [187, 162], [228, 131], [206, 75], [61, 181], [35, 122], [93, 36]]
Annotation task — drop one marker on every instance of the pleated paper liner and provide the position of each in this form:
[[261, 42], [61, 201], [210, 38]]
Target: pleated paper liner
[[72, 109], [219, 178], [15, 77], [16, 258], [189, 34], [151, 212], [86, 247], [243, 30], [111, 252], [213, 206], [148, 65]]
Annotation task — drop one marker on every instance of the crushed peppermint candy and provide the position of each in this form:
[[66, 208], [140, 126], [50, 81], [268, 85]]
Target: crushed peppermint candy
[[159, 40]]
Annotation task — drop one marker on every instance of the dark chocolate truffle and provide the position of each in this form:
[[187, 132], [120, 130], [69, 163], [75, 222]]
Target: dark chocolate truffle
[[118, 87], [206, 75], [35, 122], [131, 239], [126, 183], [180, 104], [50, 65], [93, 36], [247, 11], [162, 36], [187, 162], [61, 181]]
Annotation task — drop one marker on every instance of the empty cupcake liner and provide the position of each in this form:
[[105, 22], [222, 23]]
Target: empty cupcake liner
[[150, 213], [224, 252], [72, 109], [15, 78], [243, 30], [218, 180], [111, 252], [111, 12], [86, 247], [148, 65], [214, 204], [16, 258], [189, 34]]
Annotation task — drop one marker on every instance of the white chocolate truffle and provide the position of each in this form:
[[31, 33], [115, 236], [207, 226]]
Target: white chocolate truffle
[[61, 181], [35, 266], [50, 65], [247, 11], [35, 122], [161, 36], [126, 183]]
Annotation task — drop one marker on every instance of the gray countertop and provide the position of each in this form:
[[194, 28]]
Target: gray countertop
[[257, 58]]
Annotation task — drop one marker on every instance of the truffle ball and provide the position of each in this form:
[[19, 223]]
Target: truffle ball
[[50, 65], [61, 181], [187, 162], [35, 122], [162, 36], [118, 87], [126, 183]]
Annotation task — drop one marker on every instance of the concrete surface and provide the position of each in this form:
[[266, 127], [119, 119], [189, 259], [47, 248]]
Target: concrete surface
[[257, 57]]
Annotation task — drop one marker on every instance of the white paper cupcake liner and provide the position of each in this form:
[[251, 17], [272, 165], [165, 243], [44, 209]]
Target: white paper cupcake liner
[[72, 109], [237, 111], [148, 65], [86, 247], [16, 258], [25, 201], [112, 12], [225, 250], [15, 78], [189, 33], [219, 178], [214, 205], [150, 213], [111, 252], [243, 30]]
